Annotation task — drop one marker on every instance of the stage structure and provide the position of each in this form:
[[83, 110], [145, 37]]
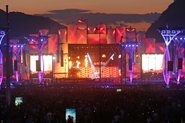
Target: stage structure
[[17, 50], [178, 42], [40, 41], [130, 47], [168, 36], [84, 61], [2, 34], [95, 73]]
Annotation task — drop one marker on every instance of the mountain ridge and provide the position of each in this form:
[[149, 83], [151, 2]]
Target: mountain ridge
[[69, 16], [173, 17], [23, 24]]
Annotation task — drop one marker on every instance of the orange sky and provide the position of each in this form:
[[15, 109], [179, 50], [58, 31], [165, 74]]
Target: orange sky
[[107, 6]]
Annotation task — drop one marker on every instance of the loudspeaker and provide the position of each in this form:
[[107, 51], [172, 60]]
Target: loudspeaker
[[62, 59], [179, 66], [170, 65], [58, 56], [38, 67], [130, 64], [15, 65], [24, 58]]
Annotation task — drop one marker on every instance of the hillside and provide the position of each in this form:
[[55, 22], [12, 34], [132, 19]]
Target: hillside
[[173, 16], [22, 24]]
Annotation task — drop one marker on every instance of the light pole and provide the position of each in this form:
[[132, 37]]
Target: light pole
[[122, 51], [2, 34], [155, 65], [65, 63], [53, 67], [8, 96]]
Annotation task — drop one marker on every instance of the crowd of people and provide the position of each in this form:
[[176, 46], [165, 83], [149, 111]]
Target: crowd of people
[[131, 104]]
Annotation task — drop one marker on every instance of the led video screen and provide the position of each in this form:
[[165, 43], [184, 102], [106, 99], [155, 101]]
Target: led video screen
[[47, 64], [152, 63]]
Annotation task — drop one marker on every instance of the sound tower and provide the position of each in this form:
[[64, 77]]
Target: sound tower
[[38, 67], [62, 59], [15, 65], [170, 65], [179, 66], [130, 64]]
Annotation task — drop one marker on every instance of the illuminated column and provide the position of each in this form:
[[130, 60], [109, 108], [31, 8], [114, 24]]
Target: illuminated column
[[1, 67], [40, 42], [65, 61], [2, 34], [179, 41], [65, 67], [17, 48], [130, 47], [43, 38], [168, 36]]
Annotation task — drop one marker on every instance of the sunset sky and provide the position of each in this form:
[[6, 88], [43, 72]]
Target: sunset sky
[[102, 6], [106, 6]]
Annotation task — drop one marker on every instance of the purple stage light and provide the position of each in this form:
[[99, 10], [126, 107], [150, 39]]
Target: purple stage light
[[2, 34], [168, 36]]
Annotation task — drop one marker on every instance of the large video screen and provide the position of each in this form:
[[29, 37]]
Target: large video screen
[[152, 63], [47, 64]]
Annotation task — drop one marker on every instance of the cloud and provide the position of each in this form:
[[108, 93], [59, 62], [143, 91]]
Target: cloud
[[69, 16], [67, 11]]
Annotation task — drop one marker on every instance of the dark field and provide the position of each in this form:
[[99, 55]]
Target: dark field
[[134, 104]]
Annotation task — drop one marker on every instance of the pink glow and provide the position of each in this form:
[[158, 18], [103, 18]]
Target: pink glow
[[97, 38], [150, 46], [17, 76], [131, 76], [1, 67], [131, 29], [80, 21], [72, 31], [119, 32], [40, 76], [183, 66], [160, 47], [81, 36], [52, 44]]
